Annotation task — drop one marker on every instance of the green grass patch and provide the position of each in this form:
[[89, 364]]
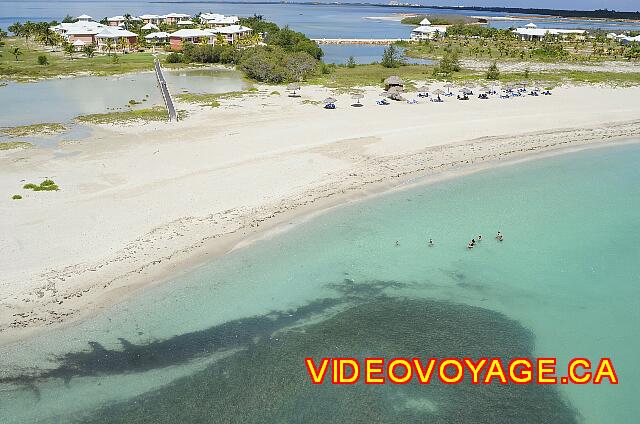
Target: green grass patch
[[60, 64], [155, 114], [10, 145], [35, 129], [46, 185]]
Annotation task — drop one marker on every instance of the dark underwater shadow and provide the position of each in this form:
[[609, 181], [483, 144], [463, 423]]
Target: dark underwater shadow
[[266, 381]]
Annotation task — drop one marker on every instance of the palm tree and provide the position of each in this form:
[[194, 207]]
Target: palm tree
[[108, 46], [16, 52], [89, 50], [69, 49]]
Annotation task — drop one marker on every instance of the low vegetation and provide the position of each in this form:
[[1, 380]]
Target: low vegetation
[[287, 56], [34, 129], [483, 42], [10, 145], [157, 114], [46, 185], [442, 19], [16, 197], [210, 99]]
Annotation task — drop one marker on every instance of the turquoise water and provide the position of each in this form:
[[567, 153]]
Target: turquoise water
[[564, 283]]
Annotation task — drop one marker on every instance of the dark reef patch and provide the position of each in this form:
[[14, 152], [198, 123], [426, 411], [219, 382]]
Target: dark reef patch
[[267, 381]]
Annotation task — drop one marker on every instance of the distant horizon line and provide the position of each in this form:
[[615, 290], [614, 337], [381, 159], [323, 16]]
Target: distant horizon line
[[409, 5]]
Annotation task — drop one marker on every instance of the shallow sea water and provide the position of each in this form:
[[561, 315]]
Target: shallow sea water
[[224, 342]]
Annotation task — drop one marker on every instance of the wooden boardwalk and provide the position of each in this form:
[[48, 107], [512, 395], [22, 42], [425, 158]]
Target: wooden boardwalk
[[162, 83], [371, 41]]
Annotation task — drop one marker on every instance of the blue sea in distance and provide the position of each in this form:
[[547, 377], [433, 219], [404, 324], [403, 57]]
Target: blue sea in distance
[[315, 20], [566, 280]]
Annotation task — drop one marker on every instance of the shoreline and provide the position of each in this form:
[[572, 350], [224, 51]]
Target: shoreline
[[339, 169], [290, 219]]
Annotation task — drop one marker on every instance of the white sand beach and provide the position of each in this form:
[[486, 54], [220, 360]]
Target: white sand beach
[[140, 203]]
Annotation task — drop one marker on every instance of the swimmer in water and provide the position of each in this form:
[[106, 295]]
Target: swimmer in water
[[397, 243], [479, 237], [499, 236], [430, 242], [470, 245]]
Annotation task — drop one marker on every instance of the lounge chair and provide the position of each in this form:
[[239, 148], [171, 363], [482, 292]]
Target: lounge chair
[[423, 94], [383, 102], [465, 97], [412, 102], [437, 100], [330, 106]]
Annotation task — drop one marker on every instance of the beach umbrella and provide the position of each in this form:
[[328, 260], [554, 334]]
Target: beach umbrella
[[357, 96], [330, 100], [465, 90], [423, 89], [448, 86], [394, 90], [438, 92]]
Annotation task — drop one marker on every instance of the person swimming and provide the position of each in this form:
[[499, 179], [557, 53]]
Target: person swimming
[[470, 245], [430, 242], [479, 237], [499, 236], [397, 242]]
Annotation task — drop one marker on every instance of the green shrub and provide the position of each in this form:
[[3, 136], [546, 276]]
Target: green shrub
[[46, 185], [16, 197], [493, 73], [174, 58], [391, 57], [42, 60], [351, 63]]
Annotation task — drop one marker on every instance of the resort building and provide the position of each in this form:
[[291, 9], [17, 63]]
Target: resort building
[[84, 18], [150, 27], [234, 33], [118, 39], [196, 36], [157, 37], [531, 32], [152, 19], [216, 20], [230, 34], [116, 20], [173, 18], [78, 29], [428, 32], [185, 23]]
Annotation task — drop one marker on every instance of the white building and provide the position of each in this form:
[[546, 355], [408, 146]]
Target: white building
[[150, 27], [428, 32], [230, 35], [116, 20], [532, 32], [84, 18], [216, 20], [157, 37], [173, 18], [152, 19], [120, 39]]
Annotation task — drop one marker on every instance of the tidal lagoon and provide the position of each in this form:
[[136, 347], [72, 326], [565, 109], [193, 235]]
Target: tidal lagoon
[[225, 341]]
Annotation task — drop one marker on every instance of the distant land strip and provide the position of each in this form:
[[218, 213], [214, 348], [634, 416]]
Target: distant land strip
[[562, 13]]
